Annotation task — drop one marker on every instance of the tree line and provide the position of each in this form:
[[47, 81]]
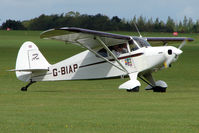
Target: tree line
[[103, 23]]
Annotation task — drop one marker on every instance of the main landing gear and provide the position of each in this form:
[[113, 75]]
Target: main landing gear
[[159, 89], [26, 87], [156, 86]]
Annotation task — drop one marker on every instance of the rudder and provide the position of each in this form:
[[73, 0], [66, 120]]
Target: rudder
[[29, 59]]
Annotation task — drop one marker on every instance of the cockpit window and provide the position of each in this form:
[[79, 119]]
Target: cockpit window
[[141, 42], [103, 52], [133, 46], [119, 49]]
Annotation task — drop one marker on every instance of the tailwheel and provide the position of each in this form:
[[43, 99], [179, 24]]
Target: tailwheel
[[24, 89], [136, 89]]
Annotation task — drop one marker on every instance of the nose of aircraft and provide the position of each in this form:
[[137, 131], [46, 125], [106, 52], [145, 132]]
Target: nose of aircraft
[[171, 56], [177, 51]]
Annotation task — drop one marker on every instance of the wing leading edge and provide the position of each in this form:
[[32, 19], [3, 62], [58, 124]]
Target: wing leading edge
[[71, 30], [165, 40], [84, 36]]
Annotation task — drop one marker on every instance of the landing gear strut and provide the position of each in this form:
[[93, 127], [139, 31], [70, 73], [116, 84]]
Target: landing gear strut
[[160, 86], [26, 87]]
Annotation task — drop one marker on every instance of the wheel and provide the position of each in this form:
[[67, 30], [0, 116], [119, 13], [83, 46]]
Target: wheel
[[136, 89], [159, 89], [23, 89], [163, 90]]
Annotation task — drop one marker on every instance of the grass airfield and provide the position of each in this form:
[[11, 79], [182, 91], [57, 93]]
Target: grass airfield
[[96, 106]]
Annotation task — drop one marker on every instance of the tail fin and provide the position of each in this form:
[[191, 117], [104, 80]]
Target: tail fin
[[29, 59]]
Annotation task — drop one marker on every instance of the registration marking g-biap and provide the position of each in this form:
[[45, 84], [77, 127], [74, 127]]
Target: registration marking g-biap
[[68, 69]]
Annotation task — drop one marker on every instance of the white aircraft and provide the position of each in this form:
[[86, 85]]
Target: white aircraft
[[108, 55]]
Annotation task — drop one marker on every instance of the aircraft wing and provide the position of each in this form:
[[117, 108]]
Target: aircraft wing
[[89, 39], [84, 37], [165, 40]]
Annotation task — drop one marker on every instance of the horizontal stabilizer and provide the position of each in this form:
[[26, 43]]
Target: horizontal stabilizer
[[27, 70]]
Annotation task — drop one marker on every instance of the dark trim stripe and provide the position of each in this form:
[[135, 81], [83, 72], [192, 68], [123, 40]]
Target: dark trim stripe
[[134, 55], [120, 58], [92, 64]]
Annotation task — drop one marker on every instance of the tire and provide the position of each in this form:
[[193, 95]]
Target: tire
[[136, 89], [159, 89], [23, 89]]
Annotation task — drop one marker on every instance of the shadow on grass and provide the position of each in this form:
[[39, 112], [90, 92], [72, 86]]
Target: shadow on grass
[[43, 91]]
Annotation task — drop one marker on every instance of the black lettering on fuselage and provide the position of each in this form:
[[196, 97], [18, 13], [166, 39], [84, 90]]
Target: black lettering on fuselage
[[70, 69], [65, 70], [55, 72], [75, 66]]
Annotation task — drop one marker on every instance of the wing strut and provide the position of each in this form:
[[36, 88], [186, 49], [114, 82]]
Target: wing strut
[[100, 56], [104, 45]]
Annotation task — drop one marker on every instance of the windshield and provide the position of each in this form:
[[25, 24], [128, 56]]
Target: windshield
[[133, 46], [141, 42]]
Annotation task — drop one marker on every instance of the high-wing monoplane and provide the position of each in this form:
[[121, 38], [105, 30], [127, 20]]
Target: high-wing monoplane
[[108, 55]]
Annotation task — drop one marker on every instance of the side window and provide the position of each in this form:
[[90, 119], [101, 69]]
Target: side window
[[119, 49], [141, 42], [123, 48], [133, 46], [103, 52]]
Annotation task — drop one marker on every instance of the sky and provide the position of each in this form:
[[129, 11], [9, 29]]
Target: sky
[[28, 9]]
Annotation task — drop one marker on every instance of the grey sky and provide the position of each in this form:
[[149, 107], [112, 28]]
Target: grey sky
[[27, 9]]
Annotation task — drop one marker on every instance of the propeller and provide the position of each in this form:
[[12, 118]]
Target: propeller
[[169, 61], [182, 44], [174, 53]]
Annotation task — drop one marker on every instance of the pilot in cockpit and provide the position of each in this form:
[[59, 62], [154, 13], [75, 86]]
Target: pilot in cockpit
[[123, 48], [119, 49], [116, 50]]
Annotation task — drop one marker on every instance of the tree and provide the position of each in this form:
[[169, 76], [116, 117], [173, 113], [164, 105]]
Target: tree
[[12, 24], [185, 23], [44, 22], [116, 23], [102, 22], [190, 25], [72, 14], [149, 25], [132, 24], [170, 25], [180, 27], [196, 27], [141, 22]]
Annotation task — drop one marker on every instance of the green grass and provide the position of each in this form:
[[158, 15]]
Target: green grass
[[96, 106]]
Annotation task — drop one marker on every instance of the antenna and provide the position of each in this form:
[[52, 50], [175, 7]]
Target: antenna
[[137, 29]]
